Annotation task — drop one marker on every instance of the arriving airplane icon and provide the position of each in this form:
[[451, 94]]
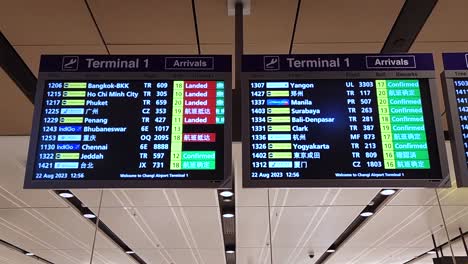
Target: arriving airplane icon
[[70, 63], [271, 63]]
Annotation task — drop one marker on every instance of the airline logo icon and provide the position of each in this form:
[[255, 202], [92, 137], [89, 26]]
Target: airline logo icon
[[271, 63], [70, 63]]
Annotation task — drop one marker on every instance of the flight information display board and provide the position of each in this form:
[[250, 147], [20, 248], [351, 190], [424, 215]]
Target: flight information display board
[[455, 84], [131, 122], [341, 121]]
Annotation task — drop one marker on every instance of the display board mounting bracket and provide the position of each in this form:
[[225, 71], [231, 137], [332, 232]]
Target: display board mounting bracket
[[231, 7]]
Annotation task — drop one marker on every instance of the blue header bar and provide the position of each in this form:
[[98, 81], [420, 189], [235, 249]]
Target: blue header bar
[[135, 63], [338, 62], [455, 61]]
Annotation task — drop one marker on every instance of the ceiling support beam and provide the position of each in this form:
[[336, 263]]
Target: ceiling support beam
[[412, 17], [238, 53], [298, 11], [195, 23], [24, 252], [12, 63]]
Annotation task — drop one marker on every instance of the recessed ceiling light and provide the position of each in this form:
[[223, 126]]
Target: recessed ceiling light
[[387, 192], [129, 252], [228, 215], [66, 195], [366, 214], [330, 250], [226, 193], [431, 252], [29, 254], [89, 215], [230, 251]]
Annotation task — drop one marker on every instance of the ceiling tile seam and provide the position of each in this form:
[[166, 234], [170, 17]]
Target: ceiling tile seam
[[279, 215], [435, 231], [337, 42], [20, 232], [444, 194], [391, 233], [176, 217], [58, 45], [8, 199], [304, 233], [302, 240], [188, 227], [422, 236], [150, 235], [359, 227], [266, 240], [296, 18], [13, 196], [312, 232], [56, 228], [166, 195], [125, 196], [33, 238], [93, 18], [63, 232]]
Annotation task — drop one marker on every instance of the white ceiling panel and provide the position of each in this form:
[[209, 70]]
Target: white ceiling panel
[[252, 226], [346, 21], [145, 22], [147, 227], [12, 163], [407, 225], [76, 256], [387, 255], [182, 256], [253, 255], [298, 227], [296, 255], [9, 256], [153, 49], [152, 256], [49, 22], [321, 197], [165, 227], [313, 48], [48, 228], [149, 197]]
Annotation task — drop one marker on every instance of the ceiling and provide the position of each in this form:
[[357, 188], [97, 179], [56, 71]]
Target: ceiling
[[182, 226]]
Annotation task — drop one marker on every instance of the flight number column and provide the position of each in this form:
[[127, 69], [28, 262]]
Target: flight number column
[[362, 118]]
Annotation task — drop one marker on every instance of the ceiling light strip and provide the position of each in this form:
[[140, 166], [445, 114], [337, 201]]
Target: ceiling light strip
[[440, 247], [24, 252], [228, 216], [368, 212], [87, 213]]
